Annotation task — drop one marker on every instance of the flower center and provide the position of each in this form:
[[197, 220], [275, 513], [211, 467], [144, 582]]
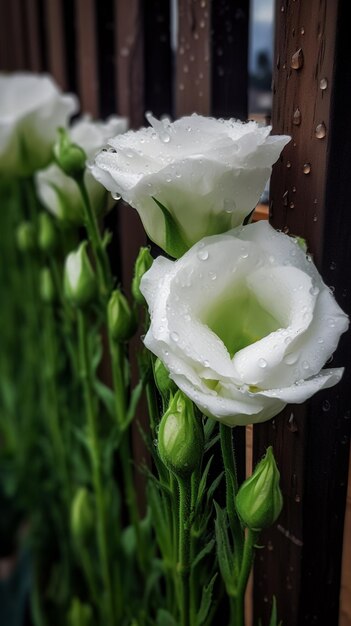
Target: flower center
[[238, 319]]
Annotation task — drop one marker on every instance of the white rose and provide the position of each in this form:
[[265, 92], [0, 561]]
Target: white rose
[[244, 324], [31, 109], [208, 173], [59, 193]]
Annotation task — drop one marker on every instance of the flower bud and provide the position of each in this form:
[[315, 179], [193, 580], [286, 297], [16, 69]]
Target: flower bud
[[79, 279], [121, 320], [259, 500], [46, 286], [82, 515], [47, 234], [181, 437], [164, 383], [70, 157], [25, 237], [80, 614], [142, 265]]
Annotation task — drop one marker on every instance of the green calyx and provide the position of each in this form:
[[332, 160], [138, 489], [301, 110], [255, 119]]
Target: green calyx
[[80, 614], [70, 157], [82, 515], [121, 320], [26, 237], [259, 500], [164, 383], [47, 233], [175, 244], [46, 286], [142, 265], [181, 437]]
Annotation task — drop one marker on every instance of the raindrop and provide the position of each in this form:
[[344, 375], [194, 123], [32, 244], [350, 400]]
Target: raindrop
[[314, 291], [297, 117], [115, 196], [202, 255], [292, 425], [306, 168], [292, 205], [320, 131], [305, 365], [181, 87], [323, 84], [202, 24], [288, 165], [186, 69], [315, 217], [290, 359], [286, 230], [294, 190], [244, 254], [326, 405], [262, 363], [206, 363], [297, 60], [270, 546], [212, 275], [331, 322], [333, 265], [320, 340], [302, 31], [174, 336], [297, 498], [124, 52], [285, 198]]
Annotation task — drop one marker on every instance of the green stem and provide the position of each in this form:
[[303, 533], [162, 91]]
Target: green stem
[[195, 480], [94, 449], [231, 482], [184, 549], [237, 602], [102, 264]]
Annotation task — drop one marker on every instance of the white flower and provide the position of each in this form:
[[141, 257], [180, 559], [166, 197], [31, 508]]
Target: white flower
[[208, 173], [31, 109], [58, 192], [244, 323]]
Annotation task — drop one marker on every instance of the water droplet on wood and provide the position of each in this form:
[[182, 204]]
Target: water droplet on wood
[[297, 117], [323, 84], [320, 131], [307, 168], [297, 60]]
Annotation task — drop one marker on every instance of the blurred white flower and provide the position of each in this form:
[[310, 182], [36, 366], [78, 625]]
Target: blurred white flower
[[31, 109], [244, 323], [58, 192], [208, 173]]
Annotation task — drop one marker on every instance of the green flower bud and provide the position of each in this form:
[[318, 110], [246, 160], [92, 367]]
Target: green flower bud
[[121, 320], [80, 614], [79, 279], [25, 237], [142, 265], [164, 383], [181, 437], [82, 515], [70, 157], [259, 500], [46, 286], [47, 233]]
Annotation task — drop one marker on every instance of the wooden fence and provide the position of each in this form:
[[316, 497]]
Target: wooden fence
[[119, 57]]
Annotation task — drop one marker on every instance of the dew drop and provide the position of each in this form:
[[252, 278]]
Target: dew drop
[[331, 322], [320, 340], [294, 190], [174, 336], [320, 131], [333, 265], [323, 84], [297, 498], [302, 31], [315, 217], [297, 117], [202, 255], [292, 205], [212, 275], [292, 425], [262, 363], [326, 405], [307, 168], [115, 196], [305, 365], [288, 165], [206, 363], [314, 291]]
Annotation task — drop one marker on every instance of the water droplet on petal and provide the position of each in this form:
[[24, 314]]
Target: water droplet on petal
[[305, 365], [212, 275], [203, 255], [290, 359], [206, 363], [262, 363], [174, 336], [115, 196]]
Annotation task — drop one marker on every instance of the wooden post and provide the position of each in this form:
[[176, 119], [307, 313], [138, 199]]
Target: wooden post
[[310, 195]]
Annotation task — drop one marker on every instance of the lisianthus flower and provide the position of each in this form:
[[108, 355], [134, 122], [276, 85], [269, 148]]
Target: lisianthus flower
[[31, 109], [58, 192], [244, 323], [207, 173]]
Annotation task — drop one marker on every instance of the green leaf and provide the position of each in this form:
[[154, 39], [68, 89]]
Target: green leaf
[[273, 619], [204, 552], [224, 550], [203, 481], [206, 601], [213, 487], [133, 403], [107, 397], [164, 618], [175, 244]]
